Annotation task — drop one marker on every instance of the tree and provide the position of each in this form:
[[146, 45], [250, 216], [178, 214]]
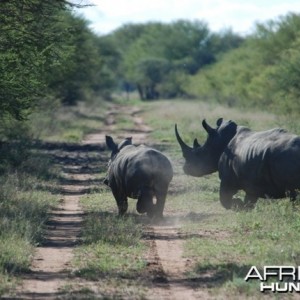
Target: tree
[[158, 57], [79, 62], [30, 44], [150, 72]]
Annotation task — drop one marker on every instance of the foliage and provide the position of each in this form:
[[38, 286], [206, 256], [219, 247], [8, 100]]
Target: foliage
[[46, 50], [82, 68], [29, 45], [262, 72]]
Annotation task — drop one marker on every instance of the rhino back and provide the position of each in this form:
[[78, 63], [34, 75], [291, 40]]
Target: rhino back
[[263, 163], [136, 167]]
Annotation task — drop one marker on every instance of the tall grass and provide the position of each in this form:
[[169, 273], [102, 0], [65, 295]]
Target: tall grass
[[24, 204]]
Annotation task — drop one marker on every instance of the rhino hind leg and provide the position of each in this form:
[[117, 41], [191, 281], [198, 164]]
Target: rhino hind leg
[[145, 202], [161, 196], [140, 207]]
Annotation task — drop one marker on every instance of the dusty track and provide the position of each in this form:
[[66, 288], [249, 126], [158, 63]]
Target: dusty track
[[51, 271]]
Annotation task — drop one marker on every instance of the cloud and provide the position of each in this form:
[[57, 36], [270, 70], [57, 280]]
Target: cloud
[[241, 16]]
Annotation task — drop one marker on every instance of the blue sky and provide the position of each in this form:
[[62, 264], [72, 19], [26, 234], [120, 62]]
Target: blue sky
[[239, 15]]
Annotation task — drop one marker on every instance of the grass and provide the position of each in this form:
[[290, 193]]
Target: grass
[[268, 235], [68, 123], [23, 210], [112, 250]]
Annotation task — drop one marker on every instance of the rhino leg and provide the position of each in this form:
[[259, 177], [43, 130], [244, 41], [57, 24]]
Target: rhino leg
[[250, 201], [145, 201], [122, 202], [160, 201], [293, 195], [122, 206], [140, 207], [226, 195]]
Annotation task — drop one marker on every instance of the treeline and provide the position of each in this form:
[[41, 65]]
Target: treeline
[[156, 58], [263, 72], [47, 52]]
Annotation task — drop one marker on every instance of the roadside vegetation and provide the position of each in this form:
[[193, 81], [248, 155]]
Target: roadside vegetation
[[25, 201]]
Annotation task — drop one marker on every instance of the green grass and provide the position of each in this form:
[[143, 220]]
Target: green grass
[[23, 212], [68, 123], [112, 250]]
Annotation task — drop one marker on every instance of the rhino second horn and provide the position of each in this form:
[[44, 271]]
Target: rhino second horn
[[184, 147], [196, 144]]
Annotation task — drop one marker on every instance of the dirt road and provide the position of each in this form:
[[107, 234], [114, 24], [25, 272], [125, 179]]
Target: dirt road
[[51, 272]]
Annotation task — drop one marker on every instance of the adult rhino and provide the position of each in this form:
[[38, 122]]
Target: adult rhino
[[264, 164], [138, 172]]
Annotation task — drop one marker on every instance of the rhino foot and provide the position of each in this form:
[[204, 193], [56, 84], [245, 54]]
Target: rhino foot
[[237, 204], [141, 207]]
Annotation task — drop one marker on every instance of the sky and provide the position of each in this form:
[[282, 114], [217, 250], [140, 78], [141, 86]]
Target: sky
[[241, 16]]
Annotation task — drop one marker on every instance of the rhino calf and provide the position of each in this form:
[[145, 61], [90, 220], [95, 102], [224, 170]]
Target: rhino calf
[[138, 172]]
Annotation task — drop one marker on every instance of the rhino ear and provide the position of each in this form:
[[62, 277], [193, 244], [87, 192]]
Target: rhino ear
[[129, 139], [208, 129], [219, 121], [110, 143], [196, 144]]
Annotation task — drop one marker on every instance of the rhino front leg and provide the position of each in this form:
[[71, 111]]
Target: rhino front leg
[[122, 202], [250, 201], [293, 195], [226, 196], [122, 206]]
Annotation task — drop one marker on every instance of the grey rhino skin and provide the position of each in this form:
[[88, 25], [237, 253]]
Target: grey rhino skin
[[138, 172], [264, 164]]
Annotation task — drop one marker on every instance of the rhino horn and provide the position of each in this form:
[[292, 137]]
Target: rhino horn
[[208, 129], [184, 147], [196, 144]]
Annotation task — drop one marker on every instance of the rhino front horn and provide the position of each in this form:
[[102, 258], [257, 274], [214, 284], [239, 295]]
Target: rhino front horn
[[184, 147]]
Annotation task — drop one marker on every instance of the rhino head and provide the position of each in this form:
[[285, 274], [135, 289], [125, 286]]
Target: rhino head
[[203, 160], [116, 148]]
